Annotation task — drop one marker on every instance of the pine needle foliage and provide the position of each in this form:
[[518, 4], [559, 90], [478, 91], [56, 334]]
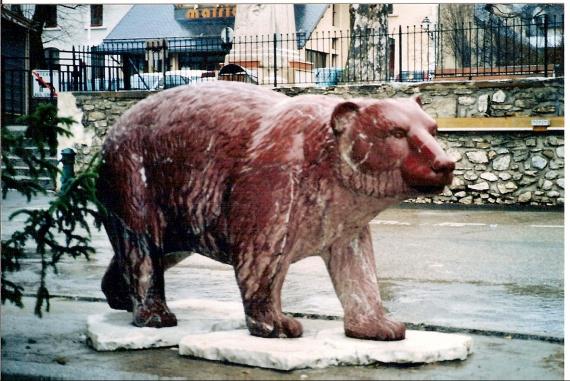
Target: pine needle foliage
[[63, 227]]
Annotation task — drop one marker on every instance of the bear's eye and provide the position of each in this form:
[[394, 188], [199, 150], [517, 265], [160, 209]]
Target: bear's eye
[[398, 133]]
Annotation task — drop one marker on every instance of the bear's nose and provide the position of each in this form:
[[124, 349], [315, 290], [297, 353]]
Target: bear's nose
[[443, 165]]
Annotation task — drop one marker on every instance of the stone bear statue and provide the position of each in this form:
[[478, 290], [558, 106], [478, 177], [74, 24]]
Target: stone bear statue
[[253, 178]]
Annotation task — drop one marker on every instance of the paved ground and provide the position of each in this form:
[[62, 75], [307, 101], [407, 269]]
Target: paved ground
[[496, 274]]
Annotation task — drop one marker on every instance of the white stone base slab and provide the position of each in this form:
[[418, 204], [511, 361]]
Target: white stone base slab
[[324, 348], [114, 330]]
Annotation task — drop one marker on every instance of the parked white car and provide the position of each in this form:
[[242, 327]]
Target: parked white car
[[172, 78], [191, 75], [146, 81]]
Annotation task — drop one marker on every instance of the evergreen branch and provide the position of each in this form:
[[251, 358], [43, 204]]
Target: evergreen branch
[[65, 214]]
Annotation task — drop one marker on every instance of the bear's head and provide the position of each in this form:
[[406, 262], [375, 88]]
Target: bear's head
[[388, 148]]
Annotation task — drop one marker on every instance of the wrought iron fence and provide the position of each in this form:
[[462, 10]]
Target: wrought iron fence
[[495, 49], [17, 98]]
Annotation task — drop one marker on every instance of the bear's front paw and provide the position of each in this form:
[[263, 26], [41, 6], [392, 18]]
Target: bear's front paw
[[274, 326], [154, 314], [382, 329]]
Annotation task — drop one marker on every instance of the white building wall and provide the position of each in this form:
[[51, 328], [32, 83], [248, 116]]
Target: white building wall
[[74, 30], [74, 26], [414, 51]]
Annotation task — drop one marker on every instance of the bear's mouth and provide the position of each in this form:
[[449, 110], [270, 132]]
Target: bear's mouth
[[430, 183]]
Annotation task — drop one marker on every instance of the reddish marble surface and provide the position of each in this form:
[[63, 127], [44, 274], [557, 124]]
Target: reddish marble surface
[[259, 180]]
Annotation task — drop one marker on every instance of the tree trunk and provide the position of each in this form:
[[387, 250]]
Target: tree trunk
[[455, 19], [368, 55], [37, 57]]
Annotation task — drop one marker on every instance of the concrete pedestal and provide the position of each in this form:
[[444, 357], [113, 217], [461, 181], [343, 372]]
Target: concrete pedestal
[[216, 331], [113, 330], [323, 348]]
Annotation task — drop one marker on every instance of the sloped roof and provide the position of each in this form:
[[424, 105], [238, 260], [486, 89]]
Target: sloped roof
[[147, 21], [526, 12], [151, 21], [307, 16]]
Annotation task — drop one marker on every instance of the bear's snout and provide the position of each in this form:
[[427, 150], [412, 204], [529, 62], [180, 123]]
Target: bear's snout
[[443, 165]]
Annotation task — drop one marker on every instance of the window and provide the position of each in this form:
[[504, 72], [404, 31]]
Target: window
[[334, 43], [17, 9], [319, 59], [96, 15], [390, 9], [51, 16], [200, 61]]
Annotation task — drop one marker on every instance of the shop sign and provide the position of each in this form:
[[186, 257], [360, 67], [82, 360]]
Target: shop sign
[[204, 11], [42, 87]]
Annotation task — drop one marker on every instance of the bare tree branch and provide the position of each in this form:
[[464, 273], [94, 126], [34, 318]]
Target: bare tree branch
[[76, 6]]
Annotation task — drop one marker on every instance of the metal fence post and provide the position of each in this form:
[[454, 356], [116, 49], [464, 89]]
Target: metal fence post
[[74, 76], [546, 45], [400, 53], [68, 173], [386, 55], [274, 59], [50, 68], [164, 56], [93, 69], [4, 92], [126, 71]]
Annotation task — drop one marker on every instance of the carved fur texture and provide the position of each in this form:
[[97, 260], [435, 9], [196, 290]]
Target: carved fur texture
[[258, 180]]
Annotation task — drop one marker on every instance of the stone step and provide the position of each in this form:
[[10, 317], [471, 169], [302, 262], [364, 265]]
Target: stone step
[[20, 163], [20, 130], [44, 181], [23, 170], [20, 166], [33, 149], [17, 129]]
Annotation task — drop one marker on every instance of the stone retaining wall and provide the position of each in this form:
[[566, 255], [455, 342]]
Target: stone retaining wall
[[499, 98], [504, 168], [95, 113], [501, 167]]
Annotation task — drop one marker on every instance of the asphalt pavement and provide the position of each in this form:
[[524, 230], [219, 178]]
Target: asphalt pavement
[[497, 275]]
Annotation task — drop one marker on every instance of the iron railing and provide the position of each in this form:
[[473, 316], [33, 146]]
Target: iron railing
[[495, 49]]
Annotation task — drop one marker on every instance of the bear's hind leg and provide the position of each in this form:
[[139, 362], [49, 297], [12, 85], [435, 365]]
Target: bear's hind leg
[[135, 278], [353, 273], [115, 287], [144, 261], [260, 278], [115, 281]]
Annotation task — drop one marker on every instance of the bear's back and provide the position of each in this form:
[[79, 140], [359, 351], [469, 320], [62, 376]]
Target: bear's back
[[221, 108]]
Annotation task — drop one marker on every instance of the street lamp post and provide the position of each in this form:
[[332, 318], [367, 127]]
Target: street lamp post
[[425, 25]]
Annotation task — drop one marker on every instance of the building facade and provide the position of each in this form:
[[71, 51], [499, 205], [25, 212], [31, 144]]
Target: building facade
[[81, 24], [417, 50], [16, 29], [256, 37]]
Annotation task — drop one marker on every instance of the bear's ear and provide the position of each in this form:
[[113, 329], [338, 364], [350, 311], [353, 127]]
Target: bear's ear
[[342, 115], [417, 99]]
